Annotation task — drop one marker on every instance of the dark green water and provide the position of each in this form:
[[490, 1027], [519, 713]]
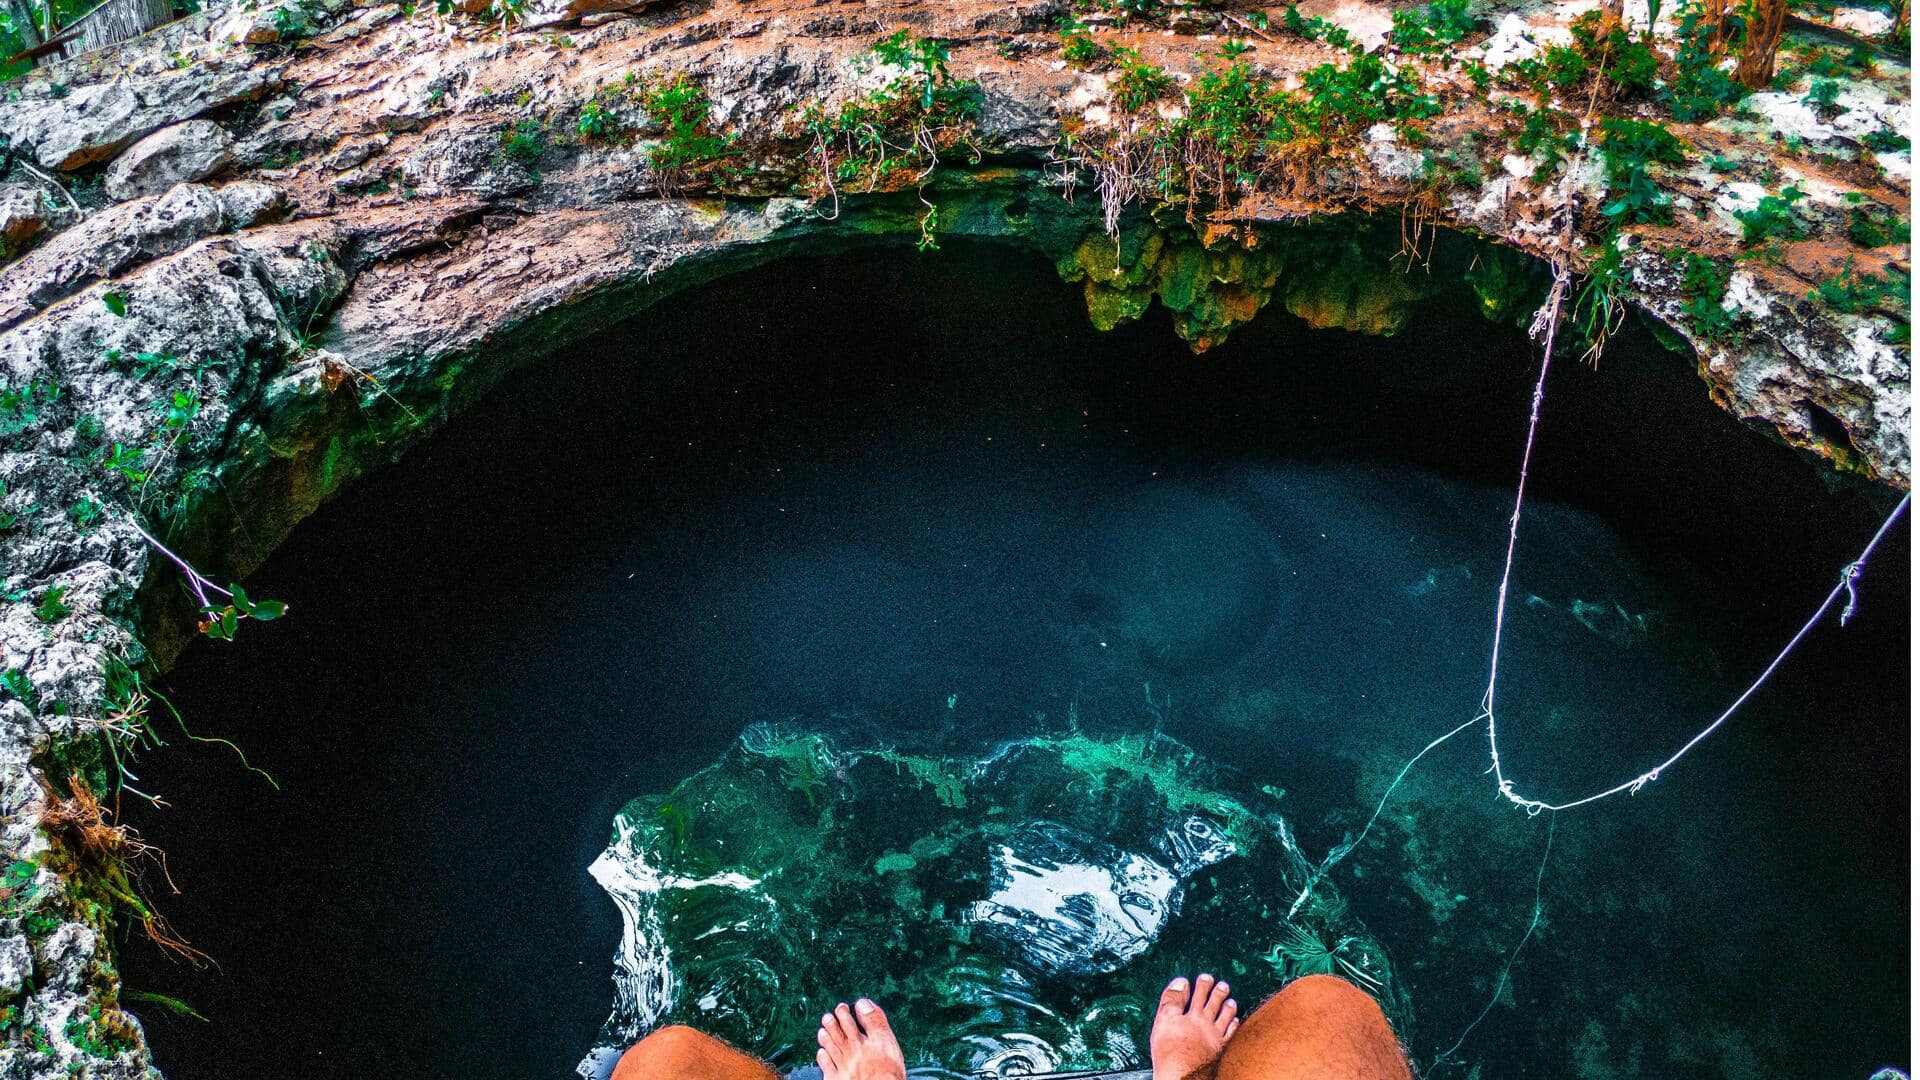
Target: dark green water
[[915, 503]]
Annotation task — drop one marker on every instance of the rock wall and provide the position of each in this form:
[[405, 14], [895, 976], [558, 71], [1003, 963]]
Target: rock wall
[[259, 252]]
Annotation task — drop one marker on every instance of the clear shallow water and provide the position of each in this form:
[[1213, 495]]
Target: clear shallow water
[[841, 494]]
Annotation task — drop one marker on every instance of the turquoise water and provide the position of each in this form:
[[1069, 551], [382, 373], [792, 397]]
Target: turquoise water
[[848, 556]]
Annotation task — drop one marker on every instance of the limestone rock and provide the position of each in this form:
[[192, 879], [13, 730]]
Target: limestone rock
[[182, 153], [246, 203], [578, 8], [106, 244], [91, 123], [27, 211]]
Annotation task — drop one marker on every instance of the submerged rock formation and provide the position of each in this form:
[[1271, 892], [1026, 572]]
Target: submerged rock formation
[[261, 250], [973, 892]]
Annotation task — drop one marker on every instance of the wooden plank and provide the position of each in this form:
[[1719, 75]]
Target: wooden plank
[[115, 21]]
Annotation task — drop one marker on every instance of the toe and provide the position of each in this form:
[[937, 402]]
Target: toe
[[1228, 1013], [1174, 997], [847, 1025], [833, 1039], [1232, 1026], [873, 1019], [828, 1067], [1202, 986], [1216, 1001]]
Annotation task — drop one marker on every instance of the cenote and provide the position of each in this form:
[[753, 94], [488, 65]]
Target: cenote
[[889, 514]]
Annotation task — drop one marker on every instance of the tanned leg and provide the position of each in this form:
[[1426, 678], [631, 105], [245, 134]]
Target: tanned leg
[[1316, 1028], [681, 1053]]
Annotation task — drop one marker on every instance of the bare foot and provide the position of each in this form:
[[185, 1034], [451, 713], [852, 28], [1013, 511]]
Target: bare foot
[[862, 1050], [1191, 1027]]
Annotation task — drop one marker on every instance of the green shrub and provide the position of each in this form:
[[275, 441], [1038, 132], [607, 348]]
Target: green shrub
[[1139, 83], [1700, 91], [595, 121], [1610, 62], [1314, 28], [1628, 148], [1823, 97], [1229, 114], [52, 607], [1703, 282], [22, 407], [1851, 290], [1433, 28], [898, 131], [1885, 139], [1772, 219], [1874, 227], [1543, 141], [524, 141], [1336, 101], [689, 149], [1077, 46]]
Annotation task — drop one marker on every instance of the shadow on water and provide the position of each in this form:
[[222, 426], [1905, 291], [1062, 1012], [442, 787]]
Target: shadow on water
[[893, 486]]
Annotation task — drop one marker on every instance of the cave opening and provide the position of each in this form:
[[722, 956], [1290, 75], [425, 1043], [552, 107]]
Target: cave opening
[[917, 503]]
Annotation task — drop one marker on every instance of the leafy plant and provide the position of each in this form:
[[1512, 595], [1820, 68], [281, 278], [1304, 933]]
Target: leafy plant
[[1874, 227], [1703, 282], [221, 620], [1339, 101], [1314, 28], [1700, 90], [1542, 140], [177, 411], [1139, 83], [690, 149], [524, 141], [1602, 60], [1823, 97], [1851, 290], [1078, 47], [52, 607], [85, 513], [1773, 218], [128, 462], [21, 407], [1885, 139], [595, 121], [1628, 148], [1599, 305], [1438, 26], [893, 136], [15, 682]]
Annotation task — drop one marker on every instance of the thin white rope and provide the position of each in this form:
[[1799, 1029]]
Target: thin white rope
[[1546, 326], [1845, 585], [1500, 984]]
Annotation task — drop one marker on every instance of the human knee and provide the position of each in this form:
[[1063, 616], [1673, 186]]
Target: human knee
[[1330, 993], [675, 1043]]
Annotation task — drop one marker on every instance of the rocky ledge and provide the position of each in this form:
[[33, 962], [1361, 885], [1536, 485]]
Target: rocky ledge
[[263, 249]]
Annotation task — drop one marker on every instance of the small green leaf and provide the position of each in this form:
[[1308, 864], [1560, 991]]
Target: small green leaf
[[115, 302]]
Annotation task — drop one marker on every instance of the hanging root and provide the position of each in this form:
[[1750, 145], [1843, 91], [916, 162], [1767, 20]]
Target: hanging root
[[96, 857]]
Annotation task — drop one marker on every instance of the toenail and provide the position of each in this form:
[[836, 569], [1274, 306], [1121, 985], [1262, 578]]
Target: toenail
[[1178, 984], [865, 1006]]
